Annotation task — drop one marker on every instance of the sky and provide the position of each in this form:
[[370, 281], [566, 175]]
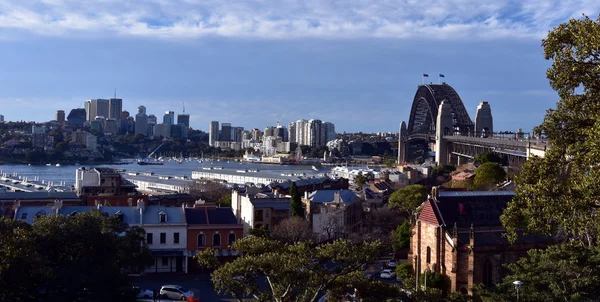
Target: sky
[[354, 63]]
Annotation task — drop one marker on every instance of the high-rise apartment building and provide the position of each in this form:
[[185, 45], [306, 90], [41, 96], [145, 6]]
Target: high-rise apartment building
[[213, 133], [236, 134], [301, 132], [60, 116], [329, 132], [97, 107], [151, 124], [225, 132], [115, 106], [256, 135], [183, 119], [141, 121], [292, 132], [1, 118], [314, 133], [169, 118]]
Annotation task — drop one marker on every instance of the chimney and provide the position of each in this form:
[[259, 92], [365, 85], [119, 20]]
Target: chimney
[[336, 197], [306, 194], [58, 205], [130, 202], [141, 205]]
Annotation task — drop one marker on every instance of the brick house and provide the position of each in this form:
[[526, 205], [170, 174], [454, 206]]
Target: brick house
[[459, 235], [211, 226]]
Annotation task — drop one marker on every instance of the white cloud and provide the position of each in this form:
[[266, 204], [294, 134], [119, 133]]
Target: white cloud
[[269, 19]]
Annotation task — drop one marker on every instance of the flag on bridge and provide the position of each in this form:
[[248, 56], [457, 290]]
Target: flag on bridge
[[425, 75], [442, 76]]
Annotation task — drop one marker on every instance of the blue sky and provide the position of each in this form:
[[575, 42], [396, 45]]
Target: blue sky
[[354, 63]]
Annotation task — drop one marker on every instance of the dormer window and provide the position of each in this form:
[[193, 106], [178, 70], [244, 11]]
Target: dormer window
[[162, 217], [119, 215]]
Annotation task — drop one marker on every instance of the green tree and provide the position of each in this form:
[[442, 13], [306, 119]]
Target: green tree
[[488, 175], [225, 200], [488, 157], [260, 232], [360, 180], [390, 163], [408, 200], [563, 272], [296, 203], [406, 273], [292, 274], [558, 194], [401, 236]]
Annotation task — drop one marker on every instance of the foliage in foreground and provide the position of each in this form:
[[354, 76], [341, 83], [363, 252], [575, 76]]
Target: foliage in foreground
[[408, 200], [272, 271], [85, 257]]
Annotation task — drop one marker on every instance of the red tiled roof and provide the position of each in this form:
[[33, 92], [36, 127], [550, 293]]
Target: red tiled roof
[[428, 213]]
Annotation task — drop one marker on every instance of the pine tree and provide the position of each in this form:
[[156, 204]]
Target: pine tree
[[296, 203]]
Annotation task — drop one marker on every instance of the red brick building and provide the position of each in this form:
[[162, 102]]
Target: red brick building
[[211, 226], [459, 235]]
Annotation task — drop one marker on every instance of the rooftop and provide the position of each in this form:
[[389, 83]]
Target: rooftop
[[346, 196], [210, 215], [158, 179]]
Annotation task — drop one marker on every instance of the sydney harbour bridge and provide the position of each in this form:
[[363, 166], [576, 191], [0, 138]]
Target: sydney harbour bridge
[[440, 123]]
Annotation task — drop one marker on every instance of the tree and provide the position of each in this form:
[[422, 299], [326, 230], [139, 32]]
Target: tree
[[406, 273], [401, 236], [209, 191], [563, 272], [291, 274], [225, 200], [390, 163], [488, 157], [408, 200], [360, 180], [292, 230], [558, 194], [296, 204], [488, 175]]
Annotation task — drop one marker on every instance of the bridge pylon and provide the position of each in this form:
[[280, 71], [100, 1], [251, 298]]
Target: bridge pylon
[[444, 126]]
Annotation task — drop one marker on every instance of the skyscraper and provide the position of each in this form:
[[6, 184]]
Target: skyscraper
[[314, 133], [151, 124], [292, 132], [60, 116], [301, 132], [236, 134], [183, 119], [169, 118], [225, 132], [115, 107], [213, 133], [77, 116], [141, 121], [328, 130], [97, 107]]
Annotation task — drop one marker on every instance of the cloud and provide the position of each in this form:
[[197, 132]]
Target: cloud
[[269, 19]]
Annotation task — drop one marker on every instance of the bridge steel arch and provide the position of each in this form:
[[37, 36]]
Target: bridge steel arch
[[425, 106]]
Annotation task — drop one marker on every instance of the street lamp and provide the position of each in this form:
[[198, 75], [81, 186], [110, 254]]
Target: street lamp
[[517, 287]]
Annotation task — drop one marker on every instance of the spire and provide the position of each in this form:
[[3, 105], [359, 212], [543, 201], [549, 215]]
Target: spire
[[455, 231]]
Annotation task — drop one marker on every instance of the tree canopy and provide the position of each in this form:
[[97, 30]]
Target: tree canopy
[[85, 257], [488, 157], [408, 200], [272, 271], [488, 175], [296, 202], [291, 230], [401, 236]]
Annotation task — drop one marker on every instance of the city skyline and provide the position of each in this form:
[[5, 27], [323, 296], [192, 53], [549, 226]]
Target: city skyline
[[297, 61]]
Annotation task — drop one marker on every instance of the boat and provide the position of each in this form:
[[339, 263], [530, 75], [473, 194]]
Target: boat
[[48, 164], [150, 161], [58, 165]]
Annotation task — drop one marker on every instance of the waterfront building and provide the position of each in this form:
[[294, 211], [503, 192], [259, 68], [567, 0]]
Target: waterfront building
[[60, 116], [115, 107], [209, 226], [169, 117], [248, 176], [101, 181], [258, 211], [159, 184], [141, 121], [213, 133], [225, 132]]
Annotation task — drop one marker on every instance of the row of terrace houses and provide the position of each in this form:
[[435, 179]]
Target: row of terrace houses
[[173, 234]]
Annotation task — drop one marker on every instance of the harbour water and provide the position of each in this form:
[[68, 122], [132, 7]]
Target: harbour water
[[66, 173]]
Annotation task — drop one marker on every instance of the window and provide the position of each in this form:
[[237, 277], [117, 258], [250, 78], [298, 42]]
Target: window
[[231, 238], [163, 238], [163, 217], [176, 238], [24, 216], [164, 261], [201, 240], [149, 238], [428, 255], [487, 273], [216, 240]]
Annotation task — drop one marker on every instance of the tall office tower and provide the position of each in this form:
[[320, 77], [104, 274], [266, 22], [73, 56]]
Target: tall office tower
[[141, 121], [256, 135], [77, 116], [236, 134], [328, 130], [213, 133], [169, 118], [269, 131], [281, 132], [1, 118], [97, 107], [124, 115], [115, 106], [183, 119], [225, 132], [292, 132], [162, 130], [300, 132], [110, 126], [60, 116], [130, 125], [314, 133], [151, 124]]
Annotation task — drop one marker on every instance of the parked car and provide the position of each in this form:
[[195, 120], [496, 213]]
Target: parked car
[[175, 292], [143, 293], [387, 274], [392, 263]]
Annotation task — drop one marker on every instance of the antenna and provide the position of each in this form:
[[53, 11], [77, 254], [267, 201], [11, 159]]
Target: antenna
[[115, 93], [183, 103]]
